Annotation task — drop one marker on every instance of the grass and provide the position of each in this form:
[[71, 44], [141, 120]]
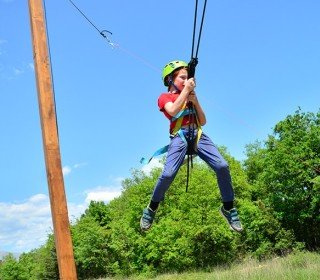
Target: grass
[[302, 265]]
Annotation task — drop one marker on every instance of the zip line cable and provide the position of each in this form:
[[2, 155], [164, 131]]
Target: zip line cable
[[104, 34], [101, 32]]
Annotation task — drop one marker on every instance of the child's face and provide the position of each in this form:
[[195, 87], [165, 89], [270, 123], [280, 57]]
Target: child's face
[[180, 79]]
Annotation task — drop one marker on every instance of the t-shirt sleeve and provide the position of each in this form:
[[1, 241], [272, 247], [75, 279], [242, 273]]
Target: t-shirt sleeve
[[163, 100]]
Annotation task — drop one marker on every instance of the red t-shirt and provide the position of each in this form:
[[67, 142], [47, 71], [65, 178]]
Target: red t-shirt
[[163, 99]]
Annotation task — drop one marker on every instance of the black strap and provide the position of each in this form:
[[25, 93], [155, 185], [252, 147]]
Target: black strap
[[190, 143], [191, 72], [194, 53]]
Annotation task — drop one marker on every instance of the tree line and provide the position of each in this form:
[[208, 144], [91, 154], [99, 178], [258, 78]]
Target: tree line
[[277, 195]]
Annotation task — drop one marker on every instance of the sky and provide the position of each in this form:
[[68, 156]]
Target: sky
[[259, 61]]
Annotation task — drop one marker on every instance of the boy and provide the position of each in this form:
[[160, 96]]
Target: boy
[[181, 106]]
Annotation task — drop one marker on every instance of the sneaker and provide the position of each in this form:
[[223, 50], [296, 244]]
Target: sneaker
[[147, 219], [232, 218]]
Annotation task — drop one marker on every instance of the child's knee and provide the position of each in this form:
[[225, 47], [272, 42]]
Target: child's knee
[[222, 167], [168, 174]]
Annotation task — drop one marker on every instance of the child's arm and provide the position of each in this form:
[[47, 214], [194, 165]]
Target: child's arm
[[174, 108], [200, 113]]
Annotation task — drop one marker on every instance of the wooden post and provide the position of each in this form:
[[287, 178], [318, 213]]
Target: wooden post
[[59, 210]]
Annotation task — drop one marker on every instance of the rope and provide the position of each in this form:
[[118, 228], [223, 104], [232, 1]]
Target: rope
[[200, 30], [191, 72], [194, 53], [190, 143], [194, 27]]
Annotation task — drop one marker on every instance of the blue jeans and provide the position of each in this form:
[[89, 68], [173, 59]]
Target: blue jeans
[[208, 152]]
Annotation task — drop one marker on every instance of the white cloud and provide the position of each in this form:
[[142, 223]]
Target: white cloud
[[105, 193], [154, 163], [66, 170], [76, 210], [102, 194], [25, 225]]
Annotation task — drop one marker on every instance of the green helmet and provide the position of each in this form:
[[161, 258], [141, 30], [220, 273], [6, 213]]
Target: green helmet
[[170, 68]]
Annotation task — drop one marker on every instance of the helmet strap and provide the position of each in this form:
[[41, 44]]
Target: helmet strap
[[172, 84]]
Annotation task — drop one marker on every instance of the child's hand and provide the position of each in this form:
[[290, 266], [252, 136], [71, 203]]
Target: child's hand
[[193, 98], [190, 84]]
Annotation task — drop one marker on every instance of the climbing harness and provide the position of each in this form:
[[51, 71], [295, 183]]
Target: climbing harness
[[178, 118]]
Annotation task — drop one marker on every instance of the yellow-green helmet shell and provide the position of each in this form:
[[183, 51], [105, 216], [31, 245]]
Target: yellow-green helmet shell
[[170, 67]]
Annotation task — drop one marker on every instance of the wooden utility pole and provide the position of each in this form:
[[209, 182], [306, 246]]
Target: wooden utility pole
[[59, 210]]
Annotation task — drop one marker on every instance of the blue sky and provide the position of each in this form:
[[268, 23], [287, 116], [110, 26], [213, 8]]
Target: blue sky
[[258, 62]]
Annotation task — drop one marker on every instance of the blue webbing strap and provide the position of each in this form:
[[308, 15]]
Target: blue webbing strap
[[157, 153], [163, 149]]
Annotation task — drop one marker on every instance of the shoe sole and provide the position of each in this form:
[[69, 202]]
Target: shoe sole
[[232, 228]]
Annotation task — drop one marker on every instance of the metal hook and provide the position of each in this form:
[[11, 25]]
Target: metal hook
[[104, 35]]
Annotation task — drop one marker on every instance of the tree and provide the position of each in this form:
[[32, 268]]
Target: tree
[[90, 248], [286, 173], [9, 269], [188, 232]]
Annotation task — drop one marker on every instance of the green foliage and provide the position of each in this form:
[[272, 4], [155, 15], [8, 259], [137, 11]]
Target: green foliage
[[90, 245], [286, 173], [10, 269], [38, 264], [98, 211], [185, 226], [188, 232], [277, 195], [264, 236]]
